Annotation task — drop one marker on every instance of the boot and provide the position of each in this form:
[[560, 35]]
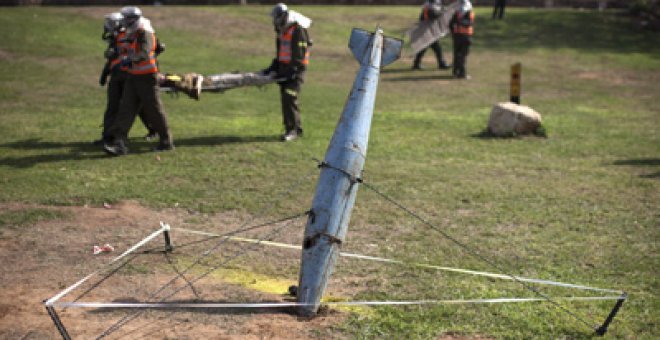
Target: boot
[[292, 134], [417, 64], [151, 135], [116, 148], [165, 143]]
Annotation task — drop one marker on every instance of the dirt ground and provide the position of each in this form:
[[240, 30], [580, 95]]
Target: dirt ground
[[41, 260]]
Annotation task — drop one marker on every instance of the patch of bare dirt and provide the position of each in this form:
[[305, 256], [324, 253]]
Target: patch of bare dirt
[[41, 260], [4, 55]]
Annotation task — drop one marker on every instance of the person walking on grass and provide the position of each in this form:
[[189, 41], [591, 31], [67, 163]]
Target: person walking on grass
[[461, 25], [114, 34], [498, 9], [141, 89], [290, 64], [431, 11]]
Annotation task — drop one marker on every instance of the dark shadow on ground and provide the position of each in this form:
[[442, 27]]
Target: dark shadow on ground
[[75, 151], [421, 78], [37, 144], [642, 162], [639, 162], [487, 135], [220, 140], [395, 70], [410, 70]]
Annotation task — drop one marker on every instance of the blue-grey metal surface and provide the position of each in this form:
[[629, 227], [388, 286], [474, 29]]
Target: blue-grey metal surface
[[344, 159]]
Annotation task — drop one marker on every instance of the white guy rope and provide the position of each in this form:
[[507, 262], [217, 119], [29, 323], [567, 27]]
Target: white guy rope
[[163, 227], [330, 303], [421, 265]]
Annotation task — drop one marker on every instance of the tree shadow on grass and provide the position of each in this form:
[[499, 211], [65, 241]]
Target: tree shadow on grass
[[642, 162], [77, 151]]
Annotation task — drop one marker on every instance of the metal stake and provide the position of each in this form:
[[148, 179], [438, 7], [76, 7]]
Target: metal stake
[[168, 244], [58, 323], [600, 331]]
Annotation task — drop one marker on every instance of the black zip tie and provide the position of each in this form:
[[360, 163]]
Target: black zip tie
[[352, 178]]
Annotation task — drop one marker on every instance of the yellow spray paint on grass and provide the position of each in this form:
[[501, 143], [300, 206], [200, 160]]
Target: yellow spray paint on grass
[[268, 284], [252, 280], [272, 285]]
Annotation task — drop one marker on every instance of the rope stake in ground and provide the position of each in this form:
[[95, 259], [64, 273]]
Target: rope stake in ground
[[474, 253], [600, 330]]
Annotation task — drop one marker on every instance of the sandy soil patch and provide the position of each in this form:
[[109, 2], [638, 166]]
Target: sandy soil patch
[[42, 259]]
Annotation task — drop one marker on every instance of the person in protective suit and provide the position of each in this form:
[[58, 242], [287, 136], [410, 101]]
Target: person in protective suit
[[430, 11], [114, 34], [141, 87], [293, 45], [498, 9], [461, 25]]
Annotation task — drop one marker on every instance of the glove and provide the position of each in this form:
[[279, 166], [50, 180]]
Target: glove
[[160, 47], [103, 79], [125, 62], [287, 75], [271, 68], [110, 53]]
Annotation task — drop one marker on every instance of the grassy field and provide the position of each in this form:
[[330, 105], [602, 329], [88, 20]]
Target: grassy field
[[580, 206]]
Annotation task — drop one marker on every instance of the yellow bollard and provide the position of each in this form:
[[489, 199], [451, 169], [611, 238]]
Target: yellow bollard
[[516, 70]]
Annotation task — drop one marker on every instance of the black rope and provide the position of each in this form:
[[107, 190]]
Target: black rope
[[351, 177], [478, 256], [126, 319], [131, 317], [183, 277], [116, 326], [99, 282]]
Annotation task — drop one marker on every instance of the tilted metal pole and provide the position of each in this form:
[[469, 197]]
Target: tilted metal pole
[[341, 169]]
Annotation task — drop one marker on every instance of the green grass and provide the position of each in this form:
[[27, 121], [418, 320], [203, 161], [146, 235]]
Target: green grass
[[579, 206], [16, 219]]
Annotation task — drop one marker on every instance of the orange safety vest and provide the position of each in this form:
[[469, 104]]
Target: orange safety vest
[[425, 12], [145, 66], [122, 47], [284, 54], [462, 29]]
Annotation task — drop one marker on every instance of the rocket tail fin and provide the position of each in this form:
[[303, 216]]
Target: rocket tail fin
[[359, 44], [391, 50]]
